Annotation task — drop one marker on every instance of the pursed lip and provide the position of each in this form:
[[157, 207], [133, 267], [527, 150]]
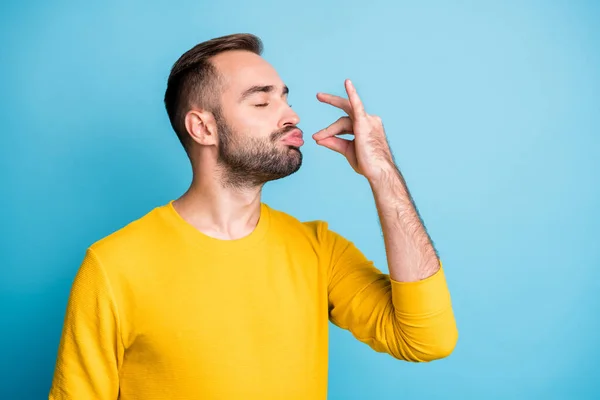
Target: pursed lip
[[294, 138]]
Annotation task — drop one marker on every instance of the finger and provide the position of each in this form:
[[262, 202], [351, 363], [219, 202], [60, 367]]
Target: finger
[[342, 125], [335, 101], [357, 106], [336, 144]]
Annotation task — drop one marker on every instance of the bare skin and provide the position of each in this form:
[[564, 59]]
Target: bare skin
[[219, 210], [222, 209], [410, 252]]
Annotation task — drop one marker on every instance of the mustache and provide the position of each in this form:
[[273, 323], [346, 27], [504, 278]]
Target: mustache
[[283, 131]]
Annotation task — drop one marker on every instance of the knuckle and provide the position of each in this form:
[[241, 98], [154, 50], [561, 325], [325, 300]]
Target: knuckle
[[376, 118]]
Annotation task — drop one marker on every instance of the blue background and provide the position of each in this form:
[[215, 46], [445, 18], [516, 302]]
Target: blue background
[[493, 114]]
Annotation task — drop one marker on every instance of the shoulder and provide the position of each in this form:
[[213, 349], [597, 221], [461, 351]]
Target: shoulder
[[137, 234], [317, 229], [334, 248]]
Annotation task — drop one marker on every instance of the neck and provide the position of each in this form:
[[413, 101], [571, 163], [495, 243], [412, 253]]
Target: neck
[[217, 209]]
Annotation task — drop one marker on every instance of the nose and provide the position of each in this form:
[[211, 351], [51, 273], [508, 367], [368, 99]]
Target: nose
[[289, 117]]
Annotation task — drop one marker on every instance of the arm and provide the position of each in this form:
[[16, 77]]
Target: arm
[[408, 313], [410, 253], [421, 297], [411, 321], [90, 350]]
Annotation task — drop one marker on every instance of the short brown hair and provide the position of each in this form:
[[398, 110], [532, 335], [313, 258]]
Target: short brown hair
[[193, 80]]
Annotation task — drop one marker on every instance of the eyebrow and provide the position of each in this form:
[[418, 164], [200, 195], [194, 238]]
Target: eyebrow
[[262, 89]]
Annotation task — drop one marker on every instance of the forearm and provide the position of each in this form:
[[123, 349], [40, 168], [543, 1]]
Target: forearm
[[410, 253]]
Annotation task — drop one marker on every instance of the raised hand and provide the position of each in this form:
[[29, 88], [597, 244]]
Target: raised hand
[[368, 153]]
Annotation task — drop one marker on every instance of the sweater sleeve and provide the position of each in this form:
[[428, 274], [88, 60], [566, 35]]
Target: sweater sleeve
[[90, 348], [412, 321]]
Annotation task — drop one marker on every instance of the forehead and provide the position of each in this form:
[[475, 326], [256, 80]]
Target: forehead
[[243, 69]]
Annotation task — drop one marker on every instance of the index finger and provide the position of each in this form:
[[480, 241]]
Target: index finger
[[355, 102], [335, 101]]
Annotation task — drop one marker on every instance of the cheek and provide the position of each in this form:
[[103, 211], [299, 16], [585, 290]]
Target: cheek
[[253, 123]]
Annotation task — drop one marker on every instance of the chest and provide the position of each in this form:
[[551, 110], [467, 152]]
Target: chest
[[227, 309]]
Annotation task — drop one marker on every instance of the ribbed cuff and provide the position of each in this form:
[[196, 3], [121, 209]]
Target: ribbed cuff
[[427, 296]]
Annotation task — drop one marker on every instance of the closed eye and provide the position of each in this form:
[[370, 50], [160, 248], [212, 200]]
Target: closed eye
[[266, 104]]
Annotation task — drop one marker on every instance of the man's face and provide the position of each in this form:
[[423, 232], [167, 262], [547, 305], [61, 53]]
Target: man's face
[[258, 137]]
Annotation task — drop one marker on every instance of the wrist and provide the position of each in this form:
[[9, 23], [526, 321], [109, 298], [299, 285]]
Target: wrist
[[385, 176], [389, 189]]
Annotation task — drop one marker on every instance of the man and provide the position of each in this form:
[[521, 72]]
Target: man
[[216, 295]]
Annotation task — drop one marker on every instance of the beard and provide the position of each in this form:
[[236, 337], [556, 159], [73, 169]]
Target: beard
[[250, 161]]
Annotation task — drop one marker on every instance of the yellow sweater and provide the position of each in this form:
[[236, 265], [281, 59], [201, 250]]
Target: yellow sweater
[[159, 310]]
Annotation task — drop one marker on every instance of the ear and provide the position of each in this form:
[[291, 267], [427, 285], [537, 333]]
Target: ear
[[201, 127]]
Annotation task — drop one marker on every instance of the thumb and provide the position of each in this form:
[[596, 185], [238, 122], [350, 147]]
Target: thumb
[[336, 144]]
